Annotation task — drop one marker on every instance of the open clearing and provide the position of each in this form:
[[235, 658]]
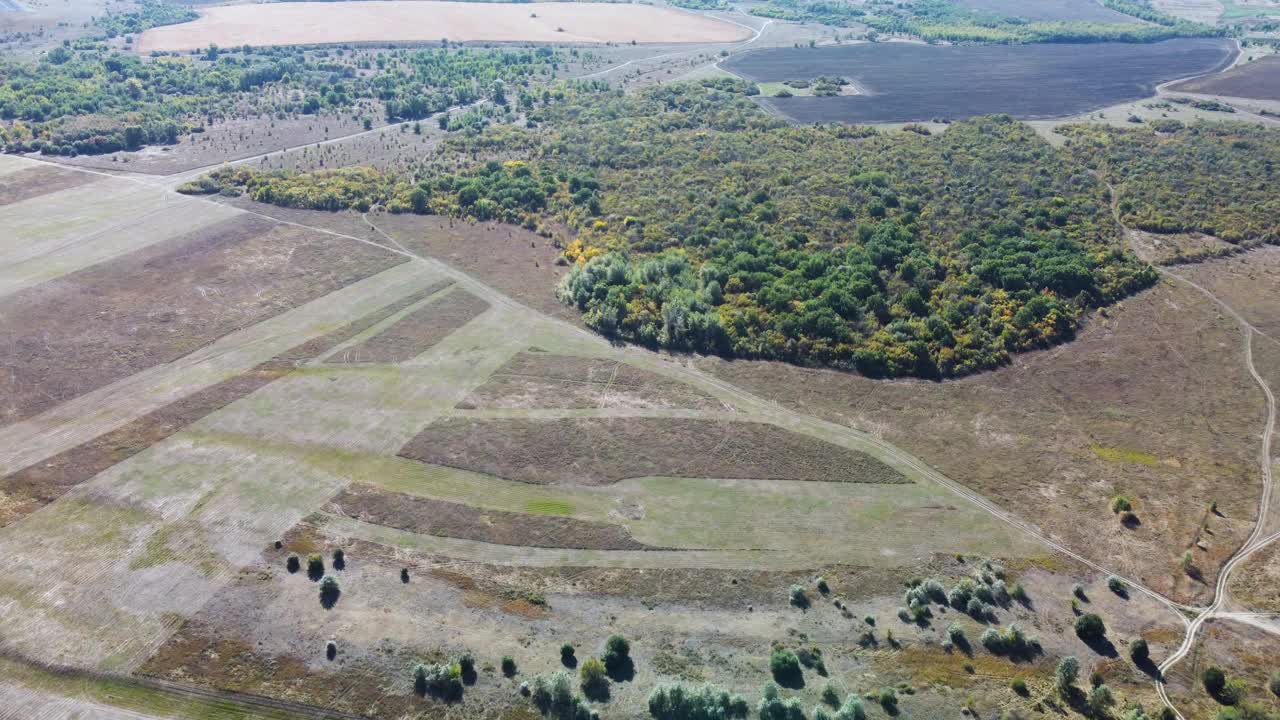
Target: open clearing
[[306, 23], [914, 82]]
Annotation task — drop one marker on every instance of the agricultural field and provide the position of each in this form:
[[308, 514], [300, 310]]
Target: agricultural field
[[346, 372], [1259, 80], [306, 23], [910, 82]]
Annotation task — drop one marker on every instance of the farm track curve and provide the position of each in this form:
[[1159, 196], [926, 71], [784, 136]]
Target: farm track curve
[[1255, 541]]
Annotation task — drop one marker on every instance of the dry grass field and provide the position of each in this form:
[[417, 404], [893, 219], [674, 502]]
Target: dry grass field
[[306, 23], [1058, 434]]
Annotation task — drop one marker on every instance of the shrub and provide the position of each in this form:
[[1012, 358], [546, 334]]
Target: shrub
[[675, 701], [1019, 686], [1121, 503], [1078, 591], [1090, 628], [467, 663], [1117, 586], [508, 666], [1214, 679], [992, 641], [1274, 684], [329, 590], [830, 695], [555, 698], [617, 657], [438, 680], [956, 634], [888, 700], [1139, 652], [315, 566], [292, 564], [567, 656], [339, 559], [773, 707], [331, 649], [1019, 593], [798, 597], [404, 575], [1067, 671], [823, 587], [852, 709], [594, 682], [785, 668], [1100, 699]]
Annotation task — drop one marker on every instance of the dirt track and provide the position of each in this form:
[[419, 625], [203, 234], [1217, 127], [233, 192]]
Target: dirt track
[[340, 22]]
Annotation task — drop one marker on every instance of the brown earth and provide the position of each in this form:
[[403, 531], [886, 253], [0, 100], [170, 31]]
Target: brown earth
[[1152, 401], [1259, 80], [90, 328], [347, 22], [446, 519], [36, 181], [416, 332], [39, 484], [1256, 582], [1249, 283], [598, 451], [517, 262], [546, 380]]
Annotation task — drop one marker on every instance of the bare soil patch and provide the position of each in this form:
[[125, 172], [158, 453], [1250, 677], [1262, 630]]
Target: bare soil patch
[[547, 380], [416, 332], [1259, 80], [87, 329], [1256, 584], [446, 519], [519, 263], [308, 23], [37, 485], [599, 451], [36, 181], [1249, 283], [1178, 248], [1151, 401]]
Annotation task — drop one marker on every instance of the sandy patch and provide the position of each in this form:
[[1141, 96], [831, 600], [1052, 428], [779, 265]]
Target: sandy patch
[[396, 21]]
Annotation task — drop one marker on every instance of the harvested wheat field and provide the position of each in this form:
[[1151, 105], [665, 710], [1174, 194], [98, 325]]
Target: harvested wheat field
[[307, 23]]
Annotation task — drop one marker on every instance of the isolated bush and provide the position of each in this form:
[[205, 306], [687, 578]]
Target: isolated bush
[[784, 665], [617, 657], [339, 559], [1121, 503], [1019, 686], [1090, 628], [331, 649], [1066, 673], [467, 663], [508, 666], [292, 564], [1078, 591], [956, 634], [888, 700], [1139, 652], [567, 655], [822, 585], [798, 597], [595, 684], [1214, 679], [315, 566], [1274, 684], [329, 590], [1117, 586], [1019, 593]]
